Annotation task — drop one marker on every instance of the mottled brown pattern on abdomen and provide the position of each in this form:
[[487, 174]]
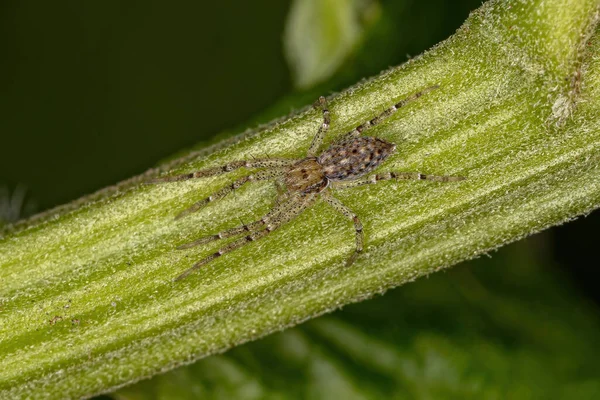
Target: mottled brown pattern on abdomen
[[354, 158]]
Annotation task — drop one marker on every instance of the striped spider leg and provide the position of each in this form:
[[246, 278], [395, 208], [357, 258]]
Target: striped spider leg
[[344, 164]]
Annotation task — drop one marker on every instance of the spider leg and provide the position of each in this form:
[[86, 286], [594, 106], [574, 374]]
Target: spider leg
[[251, 227], [340, 207], [256, 163], [259, 176], [295, 206], [395, 175], [282, 192], [318, 139], [385, 114]]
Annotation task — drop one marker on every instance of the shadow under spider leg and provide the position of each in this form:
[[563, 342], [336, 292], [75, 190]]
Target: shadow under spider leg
[[344, 164]]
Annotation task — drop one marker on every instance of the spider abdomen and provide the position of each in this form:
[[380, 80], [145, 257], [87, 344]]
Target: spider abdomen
[[353, 158]]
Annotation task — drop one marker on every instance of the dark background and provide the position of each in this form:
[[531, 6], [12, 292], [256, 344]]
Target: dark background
[[94, 92]]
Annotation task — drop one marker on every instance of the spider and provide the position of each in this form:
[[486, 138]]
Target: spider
[[341, 166]]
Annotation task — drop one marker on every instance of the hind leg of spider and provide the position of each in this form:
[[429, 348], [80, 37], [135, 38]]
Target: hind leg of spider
[[295, 206], [341, 208], [203, 173], [318, 139], [259, 176], [385, 114], [280, 206], [397, 176]]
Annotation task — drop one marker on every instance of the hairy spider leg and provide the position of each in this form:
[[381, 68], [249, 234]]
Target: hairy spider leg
[[341, 208], [280, 207], [385, 114], [296, 205], [259, 176], [318, 139], [372, 179], [203, 173]]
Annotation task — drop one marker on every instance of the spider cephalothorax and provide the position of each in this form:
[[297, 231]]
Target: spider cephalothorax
[[306, 176], [340, 166]]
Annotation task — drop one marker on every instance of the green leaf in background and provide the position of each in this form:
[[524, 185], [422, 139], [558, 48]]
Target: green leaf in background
[[501, 328], [14, 205], [321, 34]]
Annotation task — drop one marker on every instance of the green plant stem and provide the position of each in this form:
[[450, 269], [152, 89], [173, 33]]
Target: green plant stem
[[88, 301]]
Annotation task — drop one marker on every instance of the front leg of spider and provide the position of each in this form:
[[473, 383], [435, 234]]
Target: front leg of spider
[[342, 165]]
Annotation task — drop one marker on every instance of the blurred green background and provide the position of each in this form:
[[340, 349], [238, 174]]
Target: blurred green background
[[95, 92]]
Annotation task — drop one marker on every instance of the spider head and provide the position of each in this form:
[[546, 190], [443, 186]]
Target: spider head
[[306, 176]]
